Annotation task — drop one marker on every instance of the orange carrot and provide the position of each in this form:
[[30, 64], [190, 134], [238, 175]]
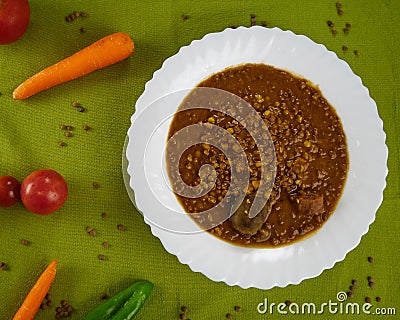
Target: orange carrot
[[33, 300], [104, 52]]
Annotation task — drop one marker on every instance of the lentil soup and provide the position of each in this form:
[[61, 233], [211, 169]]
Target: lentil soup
[[310, 158]]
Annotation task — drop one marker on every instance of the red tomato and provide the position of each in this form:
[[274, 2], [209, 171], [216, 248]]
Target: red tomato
[[44, 192], [9, 191], [14, 19]]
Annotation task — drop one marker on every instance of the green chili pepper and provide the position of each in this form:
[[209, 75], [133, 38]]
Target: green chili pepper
[[136, 301], [138, 292]]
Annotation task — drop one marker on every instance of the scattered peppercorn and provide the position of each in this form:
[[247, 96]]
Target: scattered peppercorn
[[330, 24], [350, 294], [238, 309], [47, 302], [91, 231], [80, 109], [68, 134], [64, 310], [75, 104], [288, 303], [182, 316], [378, 299], [340, 12], [104, 215], [3, 266], [76, 14], [367, 299], [229, 316], [253, 19], [184, 309], [352, 288], [346, 31], [334, 32], [103, 296], [348, 25], [345, 48], [232, 26], [24, 242], [62, 144], [121, 227], [370, 259], [105, 244], [354, 282], [338, 5], [63, 127], [371, 284], [184, 16], [264, 23], [369, 278], [96, 185], [69, 128], [102, 257], [86, 127], [82, 30]]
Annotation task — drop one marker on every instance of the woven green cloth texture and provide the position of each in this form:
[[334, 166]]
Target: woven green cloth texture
[[30, 133]]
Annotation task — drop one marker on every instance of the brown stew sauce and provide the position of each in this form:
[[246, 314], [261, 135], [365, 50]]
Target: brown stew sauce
[[310, 156]]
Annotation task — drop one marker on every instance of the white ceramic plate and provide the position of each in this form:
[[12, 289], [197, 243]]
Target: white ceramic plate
[[216, 259]]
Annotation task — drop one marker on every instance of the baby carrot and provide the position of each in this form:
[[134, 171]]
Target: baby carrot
[[102, 53], [33, 300]]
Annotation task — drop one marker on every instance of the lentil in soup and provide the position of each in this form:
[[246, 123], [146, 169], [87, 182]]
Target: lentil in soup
[[310, 148]]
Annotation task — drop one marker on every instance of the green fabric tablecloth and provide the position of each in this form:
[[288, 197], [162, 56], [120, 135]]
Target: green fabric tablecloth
[[30, 133]]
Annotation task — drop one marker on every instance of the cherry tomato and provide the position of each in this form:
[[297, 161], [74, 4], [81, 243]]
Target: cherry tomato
[[14, 19], [44, 192], [9, 191]]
